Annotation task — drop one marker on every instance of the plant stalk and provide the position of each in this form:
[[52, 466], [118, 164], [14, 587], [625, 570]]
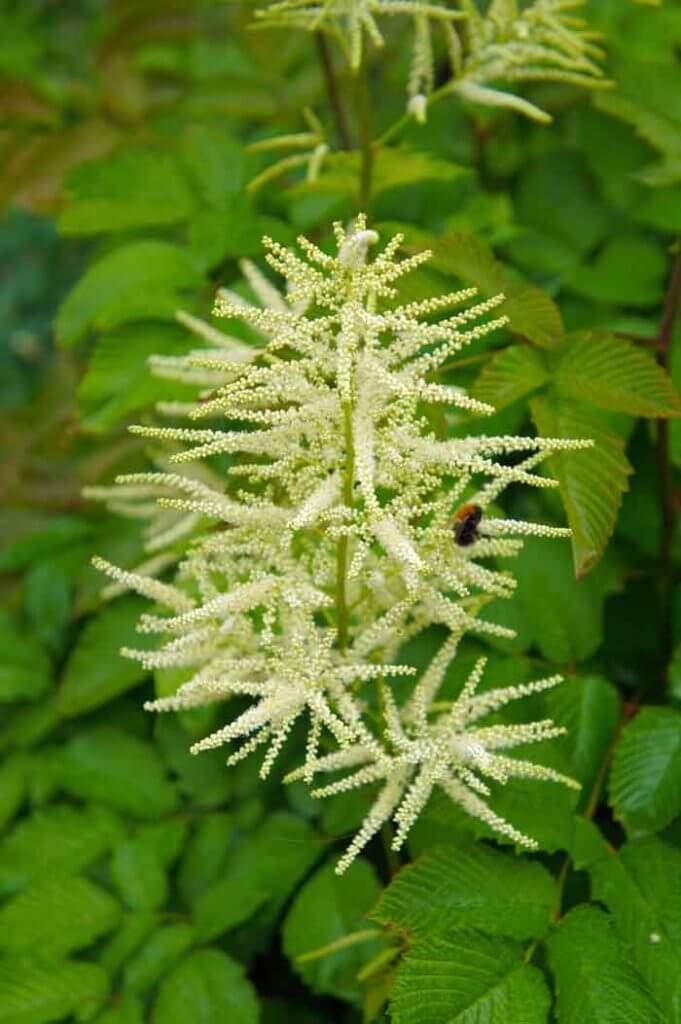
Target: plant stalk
[[664, 477], [366, 142], [333, 90], [342, 616]]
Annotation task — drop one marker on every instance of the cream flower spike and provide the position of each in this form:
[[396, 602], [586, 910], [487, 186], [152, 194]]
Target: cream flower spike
[[324, 537]]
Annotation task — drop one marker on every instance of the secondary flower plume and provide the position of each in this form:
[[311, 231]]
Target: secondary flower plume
[[321, 537]]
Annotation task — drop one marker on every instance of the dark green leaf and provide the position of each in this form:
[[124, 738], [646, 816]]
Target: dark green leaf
[[595, 982], [205, 987], [645, 780], [264, 868], [640, 887], [57, 916], [469, 885], [111, 766], [139, 875], [326, 909], [25, 669], [589, 708], [96, 672], [591, 482], [205, 854], [465, 978], [509, 375], [56, 842], [38, 991], [158, 953], [614, 374]]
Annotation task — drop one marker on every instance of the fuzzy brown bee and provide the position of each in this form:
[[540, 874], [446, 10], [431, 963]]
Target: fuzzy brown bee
[[466, 522]]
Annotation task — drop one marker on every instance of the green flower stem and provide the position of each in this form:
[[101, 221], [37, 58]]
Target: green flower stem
[[342, 551], [333, 947]]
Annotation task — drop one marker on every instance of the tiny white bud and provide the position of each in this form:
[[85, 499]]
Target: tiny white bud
[[418, 108]]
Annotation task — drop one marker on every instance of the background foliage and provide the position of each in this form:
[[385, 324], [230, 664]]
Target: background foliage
[[138, 883]]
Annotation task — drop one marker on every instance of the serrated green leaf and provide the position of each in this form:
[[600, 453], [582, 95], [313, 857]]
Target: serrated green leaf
[[112, 767], [165, 839], [640, 887], [533, 314], [614, 374], [25, 668], [327, 909], [263, 869], [138, 281], [589, 708], [205, 854], [57, 842], [591, 481], [139, 876], [652, 123], [130, 189], [645, 779], [118, 380], [48, 596], [595, 982], [38, 990], [466, 978], [204, 987], [509, 375], [470, 259], [469, 885], [95, 671], [156, 956], [57, 916]]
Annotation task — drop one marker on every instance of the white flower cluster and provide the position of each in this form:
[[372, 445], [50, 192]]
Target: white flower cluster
[[329, 540], [543, 41], [510, 42]]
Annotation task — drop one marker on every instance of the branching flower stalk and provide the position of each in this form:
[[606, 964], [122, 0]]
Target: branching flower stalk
[[330, 542]]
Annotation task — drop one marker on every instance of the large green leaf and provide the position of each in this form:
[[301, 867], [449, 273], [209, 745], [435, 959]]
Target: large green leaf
[[14, 774], [128, 1010], [95, 671], [110, 766], [469, 885], [591, 481], [645, 780], [25, 668], [641, 887], [217, 164], [57, 916], [326, 909], [615, 374], [468, 978], [609, 277], [133, 188], [595, 982], [509, 375], [392, 169], [34, 990], [56, 842], [124, 943], [263, 869], [206, 987], [138, 281], [589, 708]]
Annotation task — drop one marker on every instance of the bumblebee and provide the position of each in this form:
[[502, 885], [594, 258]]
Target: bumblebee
[[466, 523]]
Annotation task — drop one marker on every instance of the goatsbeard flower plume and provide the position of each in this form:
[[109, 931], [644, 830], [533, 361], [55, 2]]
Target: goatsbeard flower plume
[[332, 540]]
